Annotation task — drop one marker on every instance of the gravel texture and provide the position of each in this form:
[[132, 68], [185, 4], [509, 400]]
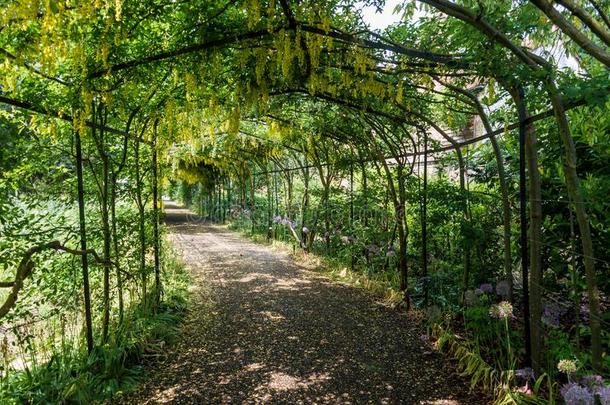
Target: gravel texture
[[262, 329]]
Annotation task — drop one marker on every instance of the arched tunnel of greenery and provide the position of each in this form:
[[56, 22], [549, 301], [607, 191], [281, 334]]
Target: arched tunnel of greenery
[[457, 159]]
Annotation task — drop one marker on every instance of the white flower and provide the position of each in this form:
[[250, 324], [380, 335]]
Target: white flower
[[503, 310], [567, 366]]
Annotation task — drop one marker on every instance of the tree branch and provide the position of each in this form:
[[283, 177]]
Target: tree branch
[[595, 27], [215, 43], [26, 266], [570, 30], [292, 22], [31, 68], [601, 12], [24, 105]]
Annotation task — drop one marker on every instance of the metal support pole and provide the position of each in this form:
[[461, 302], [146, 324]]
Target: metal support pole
[[523, 217]]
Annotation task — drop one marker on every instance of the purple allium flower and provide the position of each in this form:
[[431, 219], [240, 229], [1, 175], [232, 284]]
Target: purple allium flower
[[584, 311], [577, 395], [594, 382], [552, 314], [526, 373], [486, 287], [288, 222], [277, 219], [478, 291], [469, 297], [503, 289], [566, 387], [604, 395], [372, 249], [424, 338]]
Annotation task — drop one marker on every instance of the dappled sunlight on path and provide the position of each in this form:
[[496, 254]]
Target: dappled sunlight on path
[[263, 330]]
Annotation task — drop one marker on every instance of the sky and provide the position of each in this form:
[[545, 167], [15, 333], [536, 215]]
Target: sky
[[381, 20]]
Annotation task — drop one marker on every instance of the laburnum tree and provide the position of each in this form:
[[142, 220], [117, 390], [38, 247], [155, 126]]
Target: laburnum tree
[[286, 104]]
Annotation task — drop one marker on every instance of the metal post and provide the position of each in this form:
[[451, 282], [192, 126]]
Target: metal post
[[523, 217]]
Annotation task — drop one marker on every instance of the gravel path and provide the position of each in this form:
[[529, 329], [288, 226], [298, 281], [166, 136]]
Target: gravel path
[[263, 330]]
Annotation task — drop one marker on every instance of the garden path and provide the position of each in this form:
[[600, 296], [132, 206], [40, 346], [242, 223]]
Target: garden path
[[263, 329]]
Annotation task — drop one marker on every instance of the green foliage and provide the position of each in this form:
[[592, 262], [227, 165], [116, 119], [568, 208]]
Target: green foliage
[[536, 396], [264, 109], [70, 375]]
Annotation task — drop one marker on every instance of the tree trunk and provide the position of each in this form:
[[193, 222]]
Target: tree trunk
[[107, 246], [399, 202], [141, 221], [223, 200], [533, 288], [115, 240], [582, 218], [289, 196], [83, 240], [113, 220], [252, 201], [424, 222], [401, 213], [269, 207], [304, 207], [365, 191], [155, 196], [465, 243], [104, 192], [506, 211], [466, 215], [276, 200], [326, 196], [351, 208]]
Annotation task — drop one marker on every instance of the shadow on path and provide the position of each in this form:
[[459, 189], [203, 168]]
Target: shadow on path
[[263, 330]]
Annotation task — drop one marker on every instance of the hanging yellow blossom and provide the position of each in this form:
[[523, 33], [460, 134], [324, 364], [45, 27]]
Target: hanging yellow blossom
[[118, 9]]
